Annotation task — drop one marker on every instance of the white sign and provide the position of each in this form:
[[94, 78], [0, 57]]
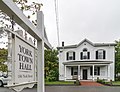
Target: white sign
[[24, 61], [13, 57]]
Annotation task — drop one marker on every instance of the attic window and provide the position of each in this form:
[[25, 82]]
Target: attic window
[[84, 44], [85, 49]]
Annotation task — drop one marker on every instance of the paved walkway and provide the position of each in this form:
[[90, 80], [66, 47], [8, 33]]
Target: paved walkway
[[90, 83]]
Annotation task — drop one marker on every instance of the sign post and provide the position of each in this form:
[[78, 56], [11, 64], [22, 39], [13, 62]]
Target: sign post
[[40, 44], [24, 57]]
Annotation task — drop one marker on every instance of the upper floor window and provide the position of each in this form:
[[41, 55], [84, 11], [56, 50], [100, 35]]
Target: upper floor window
[[71, 55], [100, 54], [85, 54]]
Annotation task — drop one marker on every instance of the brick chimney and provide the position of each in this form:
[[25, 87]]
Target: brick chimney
[[62, 44]]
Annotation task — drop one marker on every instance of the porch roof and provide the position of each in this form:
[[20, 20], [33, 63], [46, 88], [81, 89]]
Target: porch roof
[[87, 62]]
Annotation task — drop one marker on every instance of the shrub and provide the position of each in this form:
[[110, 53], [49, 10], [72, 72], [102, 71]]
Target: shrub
[[101, 81], [77, 82], [53, 75], [118, 78]]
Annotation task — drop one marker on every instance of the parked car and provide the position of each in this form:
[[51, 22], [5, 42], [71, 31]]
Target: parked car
[[3, 80]]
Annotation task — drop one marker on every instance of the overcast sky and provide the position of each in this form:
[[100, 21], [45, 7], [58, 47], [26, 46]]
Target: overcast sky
[[96, 20]]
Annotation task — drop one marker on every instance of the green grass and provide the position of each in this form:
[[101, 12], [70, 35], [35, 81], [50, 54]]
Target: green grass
[[60, 82], [116, 82]]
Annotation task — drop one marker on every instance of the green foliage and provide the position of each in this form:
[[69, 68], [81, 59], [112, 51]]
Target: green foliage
[[116, 83], [3, 59], [117, 57], [24, 5], [77, 82], [51, 65], [117, 78], [32, 8], [60, 82], [101, 81], [53, 75]]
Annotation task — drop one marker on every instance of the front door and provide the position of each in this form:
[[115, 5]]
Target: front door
[[84, 74]]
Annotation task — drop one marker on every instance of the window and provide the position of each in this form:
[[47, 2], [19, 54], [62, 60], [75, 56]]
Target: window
[[100, 54], [74, 70], [76, 73], [85, 54], [71, 70], [91, 70], [71, 55], [96, 70]]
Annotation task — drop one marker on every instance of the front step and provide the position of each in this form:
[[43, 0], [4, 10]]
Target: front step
[[90, 83]]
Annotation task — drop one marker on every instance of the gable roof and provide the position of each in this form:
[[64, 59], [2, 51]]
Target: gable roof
[[86, 40]]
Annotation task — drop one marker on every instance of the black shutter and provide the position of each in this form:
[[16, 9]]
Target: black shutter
[[98, 70], [88, 55], [67, 56], [81, 55], [96, 54], [104, 54], [71, 70], [91, 70], [73, 55]]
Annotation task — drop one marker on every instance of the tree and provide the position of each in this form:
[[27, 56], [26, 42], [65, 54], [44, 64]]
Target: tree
[[117, 57], [7, 22], [3, 59], [51, 65]]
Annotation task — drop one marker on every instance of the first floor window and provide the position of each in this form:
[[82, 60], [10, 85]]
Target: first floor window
[[71, 70], [96, 70], [74, 70]]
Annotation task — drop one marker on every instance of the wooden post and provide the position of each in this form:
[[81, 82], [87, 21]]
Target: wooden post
[[40, 45]]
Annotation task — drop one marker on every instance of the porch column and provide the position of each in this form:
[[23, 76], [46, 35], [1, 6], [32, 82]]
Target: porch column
[[93, 73], [78, 72], [108, 73], [65, 73]]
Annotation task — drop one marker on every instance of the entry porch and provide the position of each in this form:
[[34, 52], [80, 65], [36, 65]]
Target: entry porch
[[87, 70]]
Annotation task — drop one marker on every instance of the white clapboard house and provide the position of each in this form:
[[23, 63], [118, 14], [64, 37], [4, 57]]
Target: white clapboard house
[[87, 61]]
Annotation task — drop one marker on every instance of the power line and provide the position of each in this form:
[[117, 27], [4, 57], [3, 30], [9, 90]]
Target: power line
[[57, 20]]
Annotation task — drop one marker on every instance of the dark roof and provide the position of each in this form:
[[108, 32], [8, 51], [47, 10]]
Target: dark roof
[[86, 40]]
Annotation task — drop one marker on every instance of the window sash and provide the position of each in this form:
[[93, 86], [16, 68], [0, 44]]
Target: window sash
[[85, 55], [70, 56], [100, 54], [96, 70], [74, 71]]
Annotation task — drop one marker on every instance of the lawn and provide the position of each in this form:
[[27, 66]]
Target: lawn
[[60, 82], [116, 82]]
